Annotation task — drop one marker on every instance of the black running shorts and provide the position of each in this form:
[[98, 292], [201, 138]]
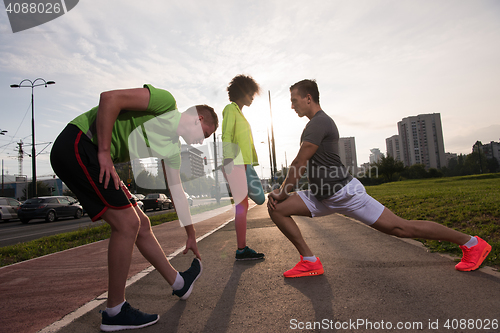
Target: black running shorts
[[74, 160]]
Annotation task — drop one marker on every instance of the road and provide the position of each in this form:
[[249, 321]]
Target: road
[[372, 283], [14, 232]]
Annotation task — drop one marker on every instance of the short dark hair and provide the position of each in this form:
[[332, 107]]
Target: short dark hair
[[208, 114], [240, 86], [305, 87]]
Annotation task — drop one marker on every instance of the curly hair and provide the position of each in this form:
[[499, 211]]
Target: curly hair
[[240, 86]]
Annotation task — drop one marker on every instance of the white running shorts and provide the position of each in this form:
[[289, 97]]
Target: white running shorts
[[352, 200]]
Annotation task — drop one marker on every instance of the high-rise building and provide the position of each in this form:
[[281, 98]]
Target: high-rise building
[[347, 152], [192, 165], [375, 155], [393, 147], [490, 150], [422, 140]]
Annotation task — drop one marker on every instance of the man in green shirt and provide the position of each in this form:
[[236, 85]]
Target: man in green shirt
[[83, 156]]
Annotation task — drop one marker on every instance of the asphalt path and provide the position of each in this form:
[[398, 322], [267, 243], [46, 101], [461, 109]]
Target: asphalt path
[[372, 283]]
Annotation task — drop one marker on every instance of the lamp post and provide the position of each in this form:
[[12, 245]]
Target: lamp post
[[2, 132], [274, 171], [32, 85], [217, 193]]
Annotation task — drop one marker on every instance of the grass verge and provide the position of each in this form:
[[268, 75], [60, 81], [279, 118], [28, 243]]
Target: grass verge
[[469, 204], [24, 251]]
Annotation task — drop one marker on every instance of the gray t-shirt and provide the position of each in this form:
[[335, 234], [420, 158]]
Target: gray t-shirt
[[325, 170]]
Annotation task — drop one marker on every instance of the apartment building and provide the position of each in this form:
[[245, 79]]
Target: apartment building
[[192, 165], [421, 140], [393, 147], [347, 152]]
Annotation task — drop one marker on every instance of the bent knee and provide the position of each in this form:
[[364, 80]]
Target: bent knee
[[274, 213], [281, 210], [145, 223], [128, 225]]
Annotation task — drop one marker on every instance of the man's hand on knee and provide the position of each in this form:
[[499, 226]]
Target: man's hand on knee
[[275, 197]]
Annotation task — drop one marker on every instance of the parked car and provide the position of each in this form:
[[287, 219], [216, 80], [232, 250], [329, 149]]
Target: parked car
[[140, 196], [189, 199], [49, 208], [156, 201], [8, 208], [140, 204]]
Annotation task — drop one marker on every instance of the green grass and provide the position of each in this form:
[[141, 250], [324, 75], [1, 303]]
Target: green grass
[[469, 204], [51, 244]]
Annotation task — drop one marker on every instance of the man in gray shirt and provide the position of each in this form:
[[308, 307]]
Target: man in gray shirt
[[334, 190], [325, 170]]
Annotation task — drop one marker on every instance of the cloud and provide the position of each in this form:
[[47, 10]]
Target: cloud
[[376, 62]]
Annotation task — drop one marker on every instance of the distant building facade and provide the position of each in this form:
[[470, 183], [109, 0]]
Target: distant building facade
[[393, 147], [347, 152], [421, 139], [491, 150], [375, 155], [192, 165]]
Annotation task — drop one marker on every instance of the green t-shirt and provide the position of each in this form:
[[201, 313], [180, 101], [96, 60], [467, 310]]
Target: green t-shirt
[[141, 134]]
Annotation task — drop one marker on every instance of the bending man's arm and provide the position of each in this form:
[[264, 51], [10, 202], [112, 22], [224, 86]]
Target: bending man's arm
[[182, 208], [295, 172], [110, 105]]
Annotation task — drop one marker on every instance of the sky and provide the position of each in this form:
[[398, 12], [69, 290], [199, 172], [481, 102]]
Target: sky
[[375, 63]]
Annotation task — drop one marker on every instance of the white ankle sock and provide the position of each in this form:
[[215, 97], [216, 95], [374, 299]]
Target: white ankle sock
[[114, 310], [472, 242], [179, 282], [311, 259]]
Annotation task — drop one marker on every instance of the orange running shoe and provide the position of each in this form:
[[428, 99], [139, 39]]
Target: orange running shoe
[[305, 268], [473, 257]]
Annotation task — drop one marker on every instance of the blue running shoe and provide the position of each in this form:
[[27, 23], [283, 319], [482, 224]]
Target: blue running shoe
[[189, 276], [127, 318]]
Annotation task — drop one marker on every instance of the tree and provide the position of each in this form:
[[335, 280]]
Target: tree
[[475, 163], [493, 165], [416, 171], [388, 167], [434, 173]]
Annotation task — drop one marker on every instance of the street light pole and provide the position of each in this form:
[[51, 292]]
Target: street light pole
[[217, 193], [32, 85], [2, 132], [273, 146]]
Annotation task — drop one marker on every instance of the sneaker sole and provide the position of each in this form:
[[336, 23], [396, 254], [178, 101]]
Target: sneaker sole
[[188, 293], [483, 256], [113, 328], [313, 273], [243, 259]]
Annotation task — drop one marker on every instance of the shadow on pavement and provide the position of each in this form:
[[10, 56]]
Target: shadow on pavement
[[221, 314], [318, 290]]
